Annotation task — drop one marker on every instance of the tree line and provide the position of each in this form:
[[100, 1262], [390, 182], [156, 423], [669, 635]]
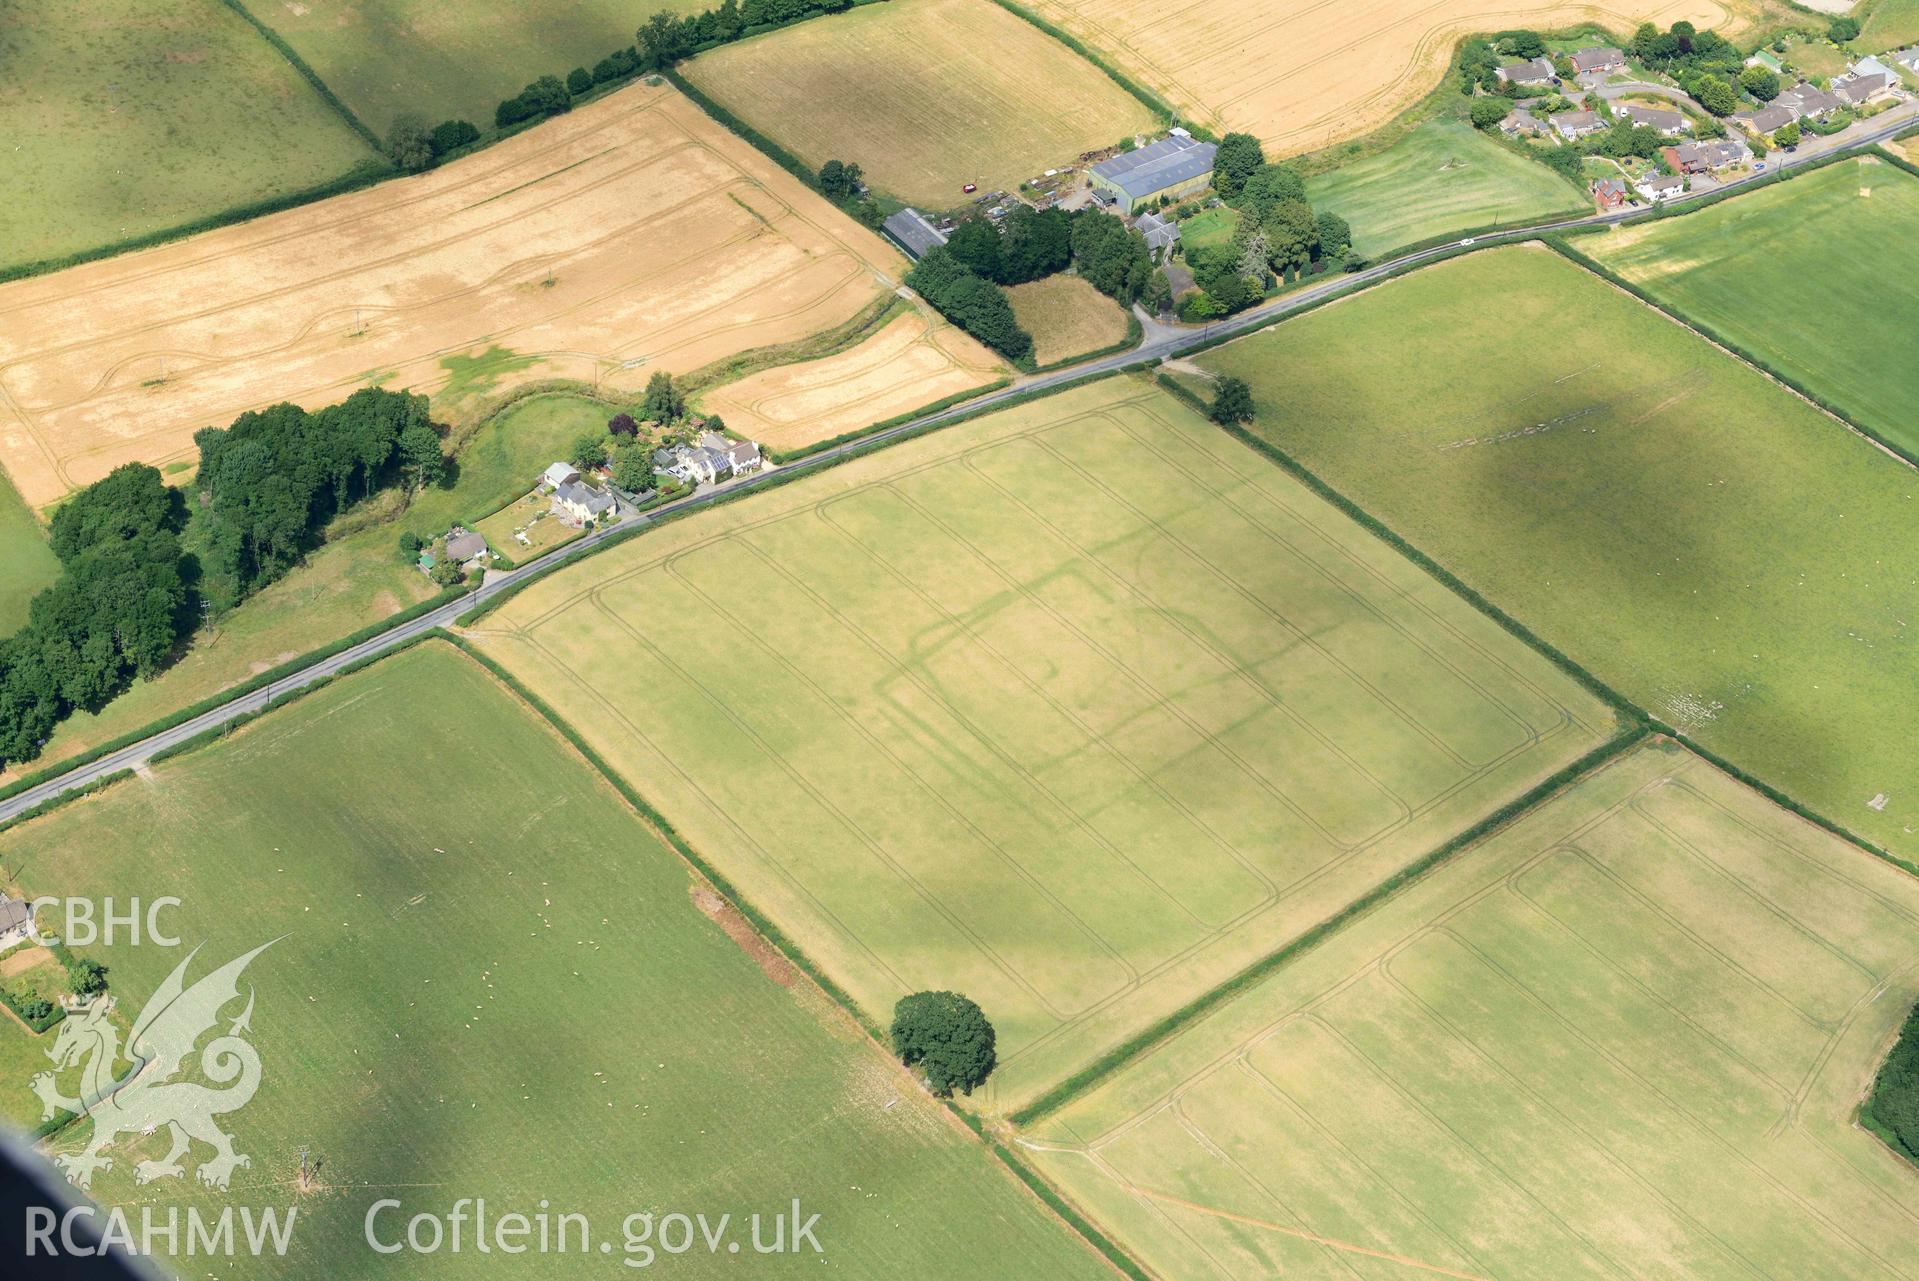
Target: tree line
[[963, 278], [1279, 234], [1894, 1102], [140, 565]]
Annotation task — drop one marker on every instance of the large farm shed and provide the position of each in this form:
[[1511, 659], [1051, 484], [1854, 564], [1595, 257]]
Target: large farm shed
[[1175, 166]]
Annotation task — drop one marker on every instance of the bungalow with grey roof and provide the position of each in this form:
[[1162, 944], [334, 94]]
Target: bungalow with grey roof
[[1588, 61], [1576, 124], [465, 548], [1766, 121], [1907, 58], [1703, 157], [1859, 88], [1804, 100], [1533, 71], [1670, 124], [1176, 166]]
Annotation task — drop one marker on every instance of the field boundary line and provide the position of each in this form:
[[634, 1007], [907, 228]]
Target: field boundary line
[[1163, 110], [1707, 334], [307, 73], [1111, 1062], [1591, 682], [774, 937]]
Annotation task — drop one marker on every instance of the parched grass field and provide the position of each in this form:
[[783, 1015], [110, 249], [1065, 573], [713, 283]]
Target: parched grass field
[[1717, 550], [1442, 178], [1078, 708], [493, 980], [926, 95], [1300, 77], [1893, 24], [1067, 317], [123, 117], [441, 60], [26, 562], [629, 236], [356, 579], [1624, 1037], [912, 360], [1829, 239]]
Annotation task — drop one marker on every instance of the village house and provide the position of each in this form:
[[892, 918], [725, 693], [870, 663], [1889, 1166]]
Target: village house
[[1704, 157], [1161, 233], [1661, 186], [576, 504], [1176, 166], [16, 922], [1670, 124], [559, 474], [1766, 121], [1862, 86], [466, 548], [1609, 193], [1804, 101], [742, 456], [1522, 121], [1598, 61], [1534, 71], [1576, 124]]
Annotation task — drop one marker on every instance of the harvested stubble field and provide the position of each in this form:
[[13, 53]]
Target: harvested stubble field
[[1623, 1037], [1067, 317], [1779, 272], [1725, 555], [440, 61], [1443, 178], [914, 359], [1300, 77], [125, 117], [629, 236], [926, 95], [1078, 708], [492, 980]]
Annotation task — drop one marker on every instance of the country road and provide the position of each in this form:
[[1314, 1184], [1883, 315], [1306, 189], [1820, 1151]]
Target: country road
[[1160, 343]]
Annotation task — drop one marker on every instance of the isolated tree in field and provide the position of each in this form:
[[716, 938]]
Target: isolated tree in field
[[408, 144], [1235, 159], [663, 402], [1232, 401], [947, 1037], [1488, 112], [1760, 82]]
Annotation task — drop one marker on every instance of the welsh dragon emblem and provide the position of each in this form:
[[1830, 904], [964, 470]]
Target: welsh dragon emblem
[[147, 1097]]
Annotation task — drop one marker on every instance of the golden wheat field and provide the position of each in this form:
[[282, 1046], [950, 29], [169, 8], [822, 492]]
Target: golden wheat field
[[632, 235], [1302, 74], [915, 359], [925, 95]]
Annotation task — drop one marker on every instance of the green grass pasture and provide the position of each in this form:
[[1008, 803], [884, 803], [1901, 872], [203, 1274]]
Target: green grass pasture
[[1893, 24], [1810, 276], [1443, 177], [492, 980], [1079, 708], [442, 60], [1709, 544], [1623, 1037], [123, 117], [26, 562]]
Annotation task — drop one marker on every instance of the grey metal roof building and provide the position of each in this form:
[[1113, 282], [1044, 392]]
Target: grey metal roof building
[[910, 228], [1157, 167]]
